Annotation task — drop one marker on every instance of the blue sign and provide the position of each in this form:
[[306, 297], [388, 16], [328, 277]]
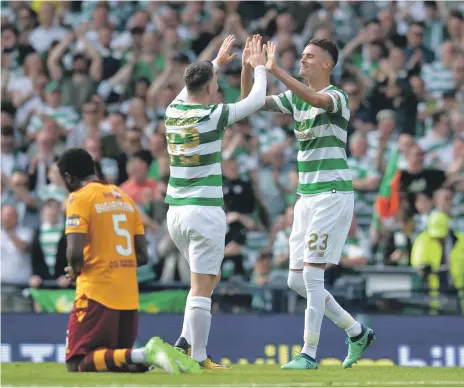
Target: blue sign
[[268, 339]]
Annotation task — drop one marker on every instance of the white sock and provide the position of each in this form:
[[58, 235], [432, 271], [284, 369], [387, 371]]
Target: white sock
[[314, 281], [138, 356], [296, 283], [198, 315], [185, 327], [333, 310], [340, 316]]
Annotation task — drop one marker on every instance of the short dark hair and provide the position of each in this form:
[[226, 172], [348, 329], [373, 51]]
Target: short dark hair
[[7, 131], [436, 117], [456, 13], [77, 162], [10, 27], [326, 45], [197, 75], [418, 24]]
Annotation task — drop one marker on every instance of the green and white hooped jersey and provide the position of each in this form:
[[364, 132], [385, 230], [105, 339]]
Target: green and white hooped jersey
[[322, 136], [194, 134]]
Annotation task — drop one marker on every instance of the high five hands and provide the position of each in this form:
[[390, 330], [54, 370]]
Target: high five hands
[[254, 53], [254, 49]]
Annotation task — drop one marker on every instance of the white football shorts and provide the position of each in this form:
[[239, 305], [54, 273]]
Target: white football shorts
[[320, 228], [199, 233]]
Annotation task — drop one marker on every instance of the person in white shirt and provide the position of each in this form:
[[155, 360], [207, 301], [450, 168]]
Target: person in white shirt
[[11, 159], [436, 140], [42, 36], [15, 240]]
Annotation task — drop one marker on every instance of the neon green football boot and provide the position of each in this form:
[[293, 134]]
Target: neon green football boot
[[300, 362], [357, 346], [158, 355]]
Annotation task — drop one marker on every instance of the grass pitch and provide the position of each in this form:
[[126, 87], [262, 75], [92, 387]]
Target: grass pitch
[[51, 374]]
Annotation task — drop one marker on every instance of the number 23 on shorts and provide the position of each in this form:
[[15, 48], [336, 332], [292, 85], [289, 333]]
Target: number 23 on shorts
[[317, 242]]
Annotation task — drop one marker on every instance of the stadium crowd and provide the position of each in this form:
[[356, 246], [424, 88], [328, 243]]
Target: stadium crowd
[[100, 75]]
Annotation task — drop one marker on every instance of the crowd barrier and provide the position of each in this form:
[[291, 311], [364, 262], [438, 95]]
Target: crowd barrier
[[259, 339]]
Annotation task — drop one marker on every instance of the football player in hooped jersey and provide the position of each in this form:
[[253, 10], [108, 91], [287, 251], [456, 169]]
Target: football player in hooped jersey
[[196, 221], [324, 211], [105, 245]]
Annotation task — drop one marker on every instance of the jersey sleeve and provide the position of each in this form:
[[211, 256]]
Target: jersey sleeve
[[253, 102], [284, 101], [77, 214], [340, 101]]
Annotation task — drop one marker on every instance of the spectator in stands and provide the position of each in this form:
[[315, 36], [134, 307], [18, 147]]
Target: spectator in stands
[[35, 102], [113, 143], [416, 179], [355, 254], [384, 140], [416, 51], [105, 167], [42, 160], [87, 127], [84, 76], [262, 299], [25, 202], [53, 109], [42, 36], [48, 248], [21, 88], [281, 248], [438, 76], [11, 158], [437, 254], [449, 202], [239, 205], [423, 205], [139, 187], [454, 27], [398, 242], [56, 188], [132, 146], [436, 139], [458, 76], [158, 148], [16, 240], [360, 112], [366, 179]]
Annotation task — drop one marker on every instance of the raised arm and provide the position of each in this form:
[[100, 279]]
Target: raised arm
[[317, 100], [256, 99], [223, 58], [270, 104], [246, 82]]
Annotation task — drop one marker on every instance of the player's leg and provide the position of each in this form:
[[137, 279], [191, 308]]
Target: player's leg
[[92, 341], [183, 343], [127, 360], [322, 212], [296, 245], [297, 265], [206, 251], [180, 239], [359, 337]]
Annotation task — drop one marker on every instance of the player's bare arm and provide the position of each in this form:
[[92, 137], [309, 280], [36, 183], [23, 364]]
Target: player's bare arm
[[317, 100], [246, 81], [141, 252], [75, 252], [247, 78], [270, 105]]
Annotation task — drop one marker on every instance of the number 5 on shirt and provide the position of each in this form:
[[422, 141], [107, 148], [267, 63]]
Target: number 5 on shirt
[[122, 232]]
